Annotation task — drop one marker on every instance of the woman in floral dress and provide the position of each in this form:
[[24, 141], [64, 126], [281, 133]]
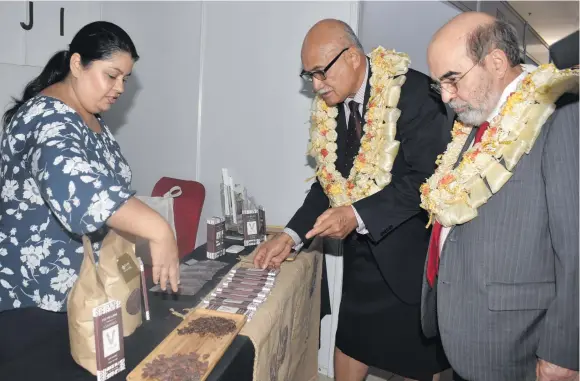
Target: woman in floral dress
[[63, 176]]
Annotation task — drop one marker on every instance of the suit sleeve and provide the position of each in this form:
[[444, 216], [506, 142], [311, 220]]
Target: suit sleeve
[[315, 203], [559, 336], [423, 133]]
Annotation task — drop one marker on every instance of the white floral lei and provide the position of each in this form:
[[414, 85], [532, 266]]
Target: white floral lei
[[371, 170], [452, 196]]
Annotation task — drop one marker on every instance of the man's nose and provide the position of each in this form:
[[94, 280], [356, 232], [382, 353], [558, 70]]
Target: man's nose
[[317, 84], [447, 96]]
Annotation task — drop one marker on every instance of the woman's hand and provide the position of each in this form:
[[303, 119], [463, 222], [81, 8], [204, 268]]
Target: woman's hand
[[136, 218], [165, 260]]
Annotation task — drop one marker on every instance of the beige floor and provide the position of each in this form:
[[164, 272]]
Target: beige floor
[[379, 375]]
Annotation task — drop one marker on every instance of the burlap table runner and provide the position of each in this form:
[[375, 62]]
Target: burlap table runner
[[285, 329]]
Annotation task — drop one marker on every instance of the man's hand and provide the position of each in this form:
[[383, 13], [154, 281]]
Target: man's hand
[[335, 222], [546, 371], [273, 252]]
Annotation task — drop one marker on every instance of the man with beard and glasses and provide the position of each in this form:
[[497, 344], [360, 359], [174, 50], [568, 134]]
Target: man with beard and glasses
[[501, 285], [369, 171]]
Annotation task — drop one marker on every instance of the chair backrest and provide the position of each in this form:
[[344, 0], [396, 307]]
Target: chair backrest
[[186, 210]]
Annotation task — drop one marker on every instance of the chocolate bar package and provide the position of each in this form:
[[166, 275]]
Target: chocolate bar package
[[250, 219], [248, 305], [109, 345], [239, 293], [222, 308], [268, 283], [236, 288], [252, 270], [257, 277], [262, 223], [233, 299], [216, 227], [246, 278]]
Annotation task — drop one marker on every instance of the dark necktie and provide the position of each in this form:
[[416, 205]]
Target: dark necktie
[[433, 253], [353, 133], [355, 119]]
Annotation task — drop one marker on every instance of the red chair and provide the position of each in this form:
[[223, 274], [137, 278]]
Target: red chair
[[186, 210]]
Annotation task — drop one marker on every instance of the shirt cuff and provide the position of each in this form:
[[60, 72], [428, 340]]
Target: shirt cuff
[[297, 241], [361, 229]]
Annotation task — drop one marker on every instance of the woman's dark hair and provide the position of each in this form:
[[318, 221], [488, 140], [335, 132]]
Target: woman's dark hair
[[95, 41]]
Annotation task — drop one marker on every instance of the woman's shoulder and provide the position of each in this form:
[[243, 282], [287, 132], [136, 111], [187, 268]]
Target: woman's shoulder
[[42, 108]]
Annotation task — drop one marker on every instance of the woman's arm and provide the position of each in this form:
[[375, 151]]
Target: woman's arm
[[136, 218]]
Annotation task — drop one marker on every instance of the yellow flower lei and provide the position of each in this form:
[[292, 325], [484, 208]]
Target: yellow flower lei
[[452, 196], [371, 171]]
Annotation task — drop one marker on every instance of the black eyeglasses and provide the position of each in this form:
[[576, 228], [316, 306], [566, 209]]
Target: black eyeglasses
[[321, 74], [450, 86]]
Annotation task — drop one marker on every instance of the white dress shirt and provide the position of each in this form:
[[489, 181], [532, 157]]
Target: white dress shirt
[[359, 97], [504, 96]]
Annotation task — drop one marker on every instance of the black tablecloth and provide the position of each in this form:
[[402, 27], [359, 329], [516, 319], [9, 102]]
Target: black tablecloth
[[51, 360]]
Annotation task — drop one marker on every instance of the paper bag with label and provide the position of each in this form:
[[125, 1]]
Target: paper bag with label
[[86, 294], [119, 271]]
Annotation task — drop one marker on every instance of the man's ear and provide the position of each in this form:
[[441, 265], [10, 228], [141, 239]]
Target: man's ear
[[354, 57], [498, 62]]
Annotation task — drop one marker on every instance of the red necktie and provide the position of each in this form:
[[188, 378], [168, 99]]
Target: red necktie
[[433, 253]]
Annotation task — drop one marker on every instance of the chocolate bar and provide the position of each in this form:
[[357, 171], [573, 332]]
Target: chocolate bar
[[256, 277], [249, 282], [238, 293], [216, 227], [234, 303], [252, 270]]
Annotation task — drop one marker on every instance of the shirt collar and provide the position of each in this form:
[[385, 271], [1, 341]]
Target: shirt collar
[[526, 69], [359, 97]]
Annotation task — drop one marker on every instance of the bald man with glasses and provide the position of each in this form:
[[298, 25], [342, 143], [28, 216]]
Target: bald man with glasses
[[384, 234]]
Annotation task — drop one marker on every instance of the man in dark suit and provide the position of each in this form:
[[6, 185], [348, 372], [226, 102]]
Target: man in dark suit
[[501, 285], [383, 230]]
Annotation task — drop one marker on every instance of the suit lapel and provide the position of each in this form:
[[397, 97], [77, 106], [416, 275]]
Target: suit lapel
[[465, 146], [463, 149], [367, 93]]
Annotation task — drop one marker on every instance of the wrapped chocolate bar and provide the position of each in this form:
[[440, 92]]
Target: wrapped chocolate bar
[[269, 282], [246, 304], [252, 270], [227, 292], [235, 288], [250, 218], [235, 283], [256, 277], [216, 227], [237, 298], [232, 310]]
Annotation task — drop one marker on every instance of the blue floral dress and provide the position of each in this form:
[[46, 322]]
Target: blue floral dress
[[59, 180]]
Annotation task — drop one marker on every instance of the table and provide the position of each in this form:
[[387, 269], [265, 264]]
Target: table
[[52, 360]]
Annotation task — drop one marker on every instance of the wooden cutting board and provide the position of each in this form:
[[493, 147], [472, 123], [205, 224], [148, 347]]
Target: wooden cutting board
[[211, 345]]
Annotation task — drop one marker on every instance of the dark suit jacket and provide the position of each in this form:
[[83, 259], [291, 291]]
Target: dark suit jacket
[[393, 217]]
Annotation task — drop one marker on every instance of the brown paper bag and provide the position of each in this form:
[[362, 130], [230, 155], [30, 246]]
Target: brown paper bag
[[119, 271], [87, 293]]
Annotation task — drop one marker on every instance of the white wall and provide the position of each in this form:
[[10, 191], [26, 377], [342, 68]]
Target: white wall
[[155, 121], [406, 26], [13, 78]]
